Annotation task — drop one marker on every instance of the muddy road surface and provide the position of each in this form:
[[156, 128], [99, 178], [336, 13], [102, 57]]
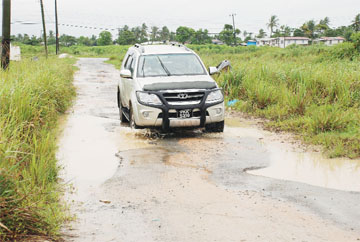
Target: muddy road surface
[[246, 184]]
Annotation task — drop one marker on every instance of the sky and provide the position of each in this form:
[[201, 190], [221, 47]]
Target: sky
[[251, 15]]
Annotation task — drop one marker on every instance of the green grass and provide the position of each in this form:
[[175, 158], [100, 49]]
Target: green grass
[[311, 91], [32, 96]]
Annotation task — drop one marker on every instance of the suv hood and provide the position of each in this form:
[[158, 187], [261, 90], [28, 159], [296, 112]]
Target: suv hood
[[176, 82]]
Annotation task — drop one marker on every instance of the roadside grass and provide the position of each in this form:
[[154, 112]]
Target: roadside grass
[[312, 91], [32, 96]]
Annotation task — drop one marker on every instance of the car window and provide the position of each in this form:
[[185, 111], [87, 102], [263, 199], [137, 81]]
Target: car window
[[170, 65], [128, 62]]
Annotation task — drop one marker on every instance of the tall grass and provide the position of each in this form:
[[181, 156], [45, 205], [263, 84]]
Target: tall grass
[[32, 95], [313, 91]]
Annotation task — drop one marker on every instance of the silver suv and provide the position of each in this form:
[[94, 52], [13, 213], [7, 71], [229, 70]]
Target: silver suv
[[167, 86]]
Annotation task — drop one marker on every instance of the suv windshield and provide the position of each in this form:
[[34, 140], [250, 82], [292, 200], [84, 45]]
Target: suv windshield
[[169, 65]]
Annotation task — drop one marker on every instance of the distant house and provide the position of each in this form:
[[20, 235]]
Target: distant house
[[251, 42], [217, 42], [329, 41], [283, 42], [266, 42]]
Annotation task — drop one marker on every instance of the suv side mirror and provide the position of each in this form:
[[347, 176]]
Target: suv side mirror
[[213, 70], [125, 73]]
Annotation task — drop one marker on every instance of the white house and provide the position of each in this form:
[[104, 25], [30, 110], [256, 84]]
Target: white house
[[329, 41], [283, 42], [266, 42]]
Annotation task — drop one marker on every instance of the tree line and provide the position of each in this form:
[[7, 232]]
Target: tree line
[[140, 34]]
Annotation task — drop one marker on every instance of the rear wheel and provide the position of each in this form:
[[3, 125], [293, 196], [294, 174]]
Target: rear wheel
[[215, 127], [123, 118]]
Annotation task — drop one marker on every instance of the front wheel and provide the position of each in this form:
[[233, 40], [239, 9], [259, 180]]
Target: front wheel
[[215, 127], [132, 122]]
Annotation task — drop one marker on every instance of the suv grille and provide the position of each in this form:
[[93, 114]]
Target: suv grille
[[183, 98]]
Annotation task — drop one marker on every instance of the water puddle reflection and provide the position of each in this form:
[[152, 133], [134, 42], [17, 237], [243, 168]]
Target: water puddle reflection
[[311, 168]]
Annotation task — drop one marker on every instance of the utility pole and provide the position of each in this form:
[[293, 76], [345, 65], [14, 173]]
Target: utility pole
[[6, 27], [234, 31], [44, 27], [57, 28]]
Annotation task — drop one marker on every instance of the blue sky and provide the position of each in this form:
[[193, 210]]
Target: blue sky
[[210, 14]]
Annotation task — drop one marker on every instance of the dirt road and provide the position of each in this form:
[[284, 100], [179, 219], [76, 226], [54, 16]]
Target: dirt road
[[246, 184]]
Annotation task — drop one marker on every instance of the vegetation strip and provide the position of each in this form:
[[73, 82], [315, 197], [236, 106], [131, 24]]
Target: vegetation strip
[[313, 91], [32, 96]]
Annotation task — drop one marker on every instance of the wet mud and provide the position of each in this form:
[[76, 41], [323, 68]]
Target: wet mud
[[246, 184]]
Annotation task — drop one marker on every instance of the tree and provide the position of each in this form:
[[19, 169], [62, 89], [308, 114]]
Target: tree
[[356, 23], [125, 36], [172, 36], [299, 33], [105, 38], [154, 33], [201, 37], [67, 40], [84, 41], [137, 34], [164, 34], [143, 33], [322, 26], [309, 29], [273, 22], [184, 34], [51, 38], [355, 38], [261, 34], [227, 34]]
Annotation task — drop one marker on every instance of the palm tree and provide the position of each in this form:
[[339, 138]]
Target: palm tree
[[261, 34], [245, 33], [325, 21], [154, 33], [356, 23], [309, 29], [274, 22]]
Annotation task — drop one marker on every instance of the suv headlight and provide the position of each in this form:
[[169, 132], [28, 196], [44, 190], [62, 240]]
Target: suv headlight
[[148, 98], [215, 96]]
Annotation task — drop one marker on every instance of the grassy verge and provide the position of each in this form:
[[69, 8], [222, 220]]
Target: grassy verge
[[311, 91], [32, 96]]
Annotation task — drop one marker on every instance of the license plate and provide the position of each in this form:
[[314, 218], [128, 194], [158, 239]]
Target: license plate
[[184, 113]]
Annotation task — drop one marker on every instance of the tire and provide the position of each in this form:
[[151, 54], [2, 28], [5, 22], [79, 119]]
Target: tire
[[215, 127], [133, 125], [123, 118]]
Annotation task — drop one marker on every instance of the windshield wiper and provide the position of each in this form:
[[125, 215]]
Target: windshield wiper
[[164, 67]]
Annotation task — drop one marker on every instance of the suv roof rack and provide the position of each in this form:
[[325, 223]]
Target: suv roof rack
[[177, 44]]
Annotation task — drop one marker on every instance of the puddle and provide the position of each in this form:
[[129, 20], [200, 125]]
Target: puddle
[[83, 145], [311, 168]]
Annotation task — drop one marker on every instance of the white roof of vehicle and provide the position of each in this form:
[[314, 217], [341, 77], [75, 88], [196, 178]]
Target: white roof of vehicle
[[163, 49]]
